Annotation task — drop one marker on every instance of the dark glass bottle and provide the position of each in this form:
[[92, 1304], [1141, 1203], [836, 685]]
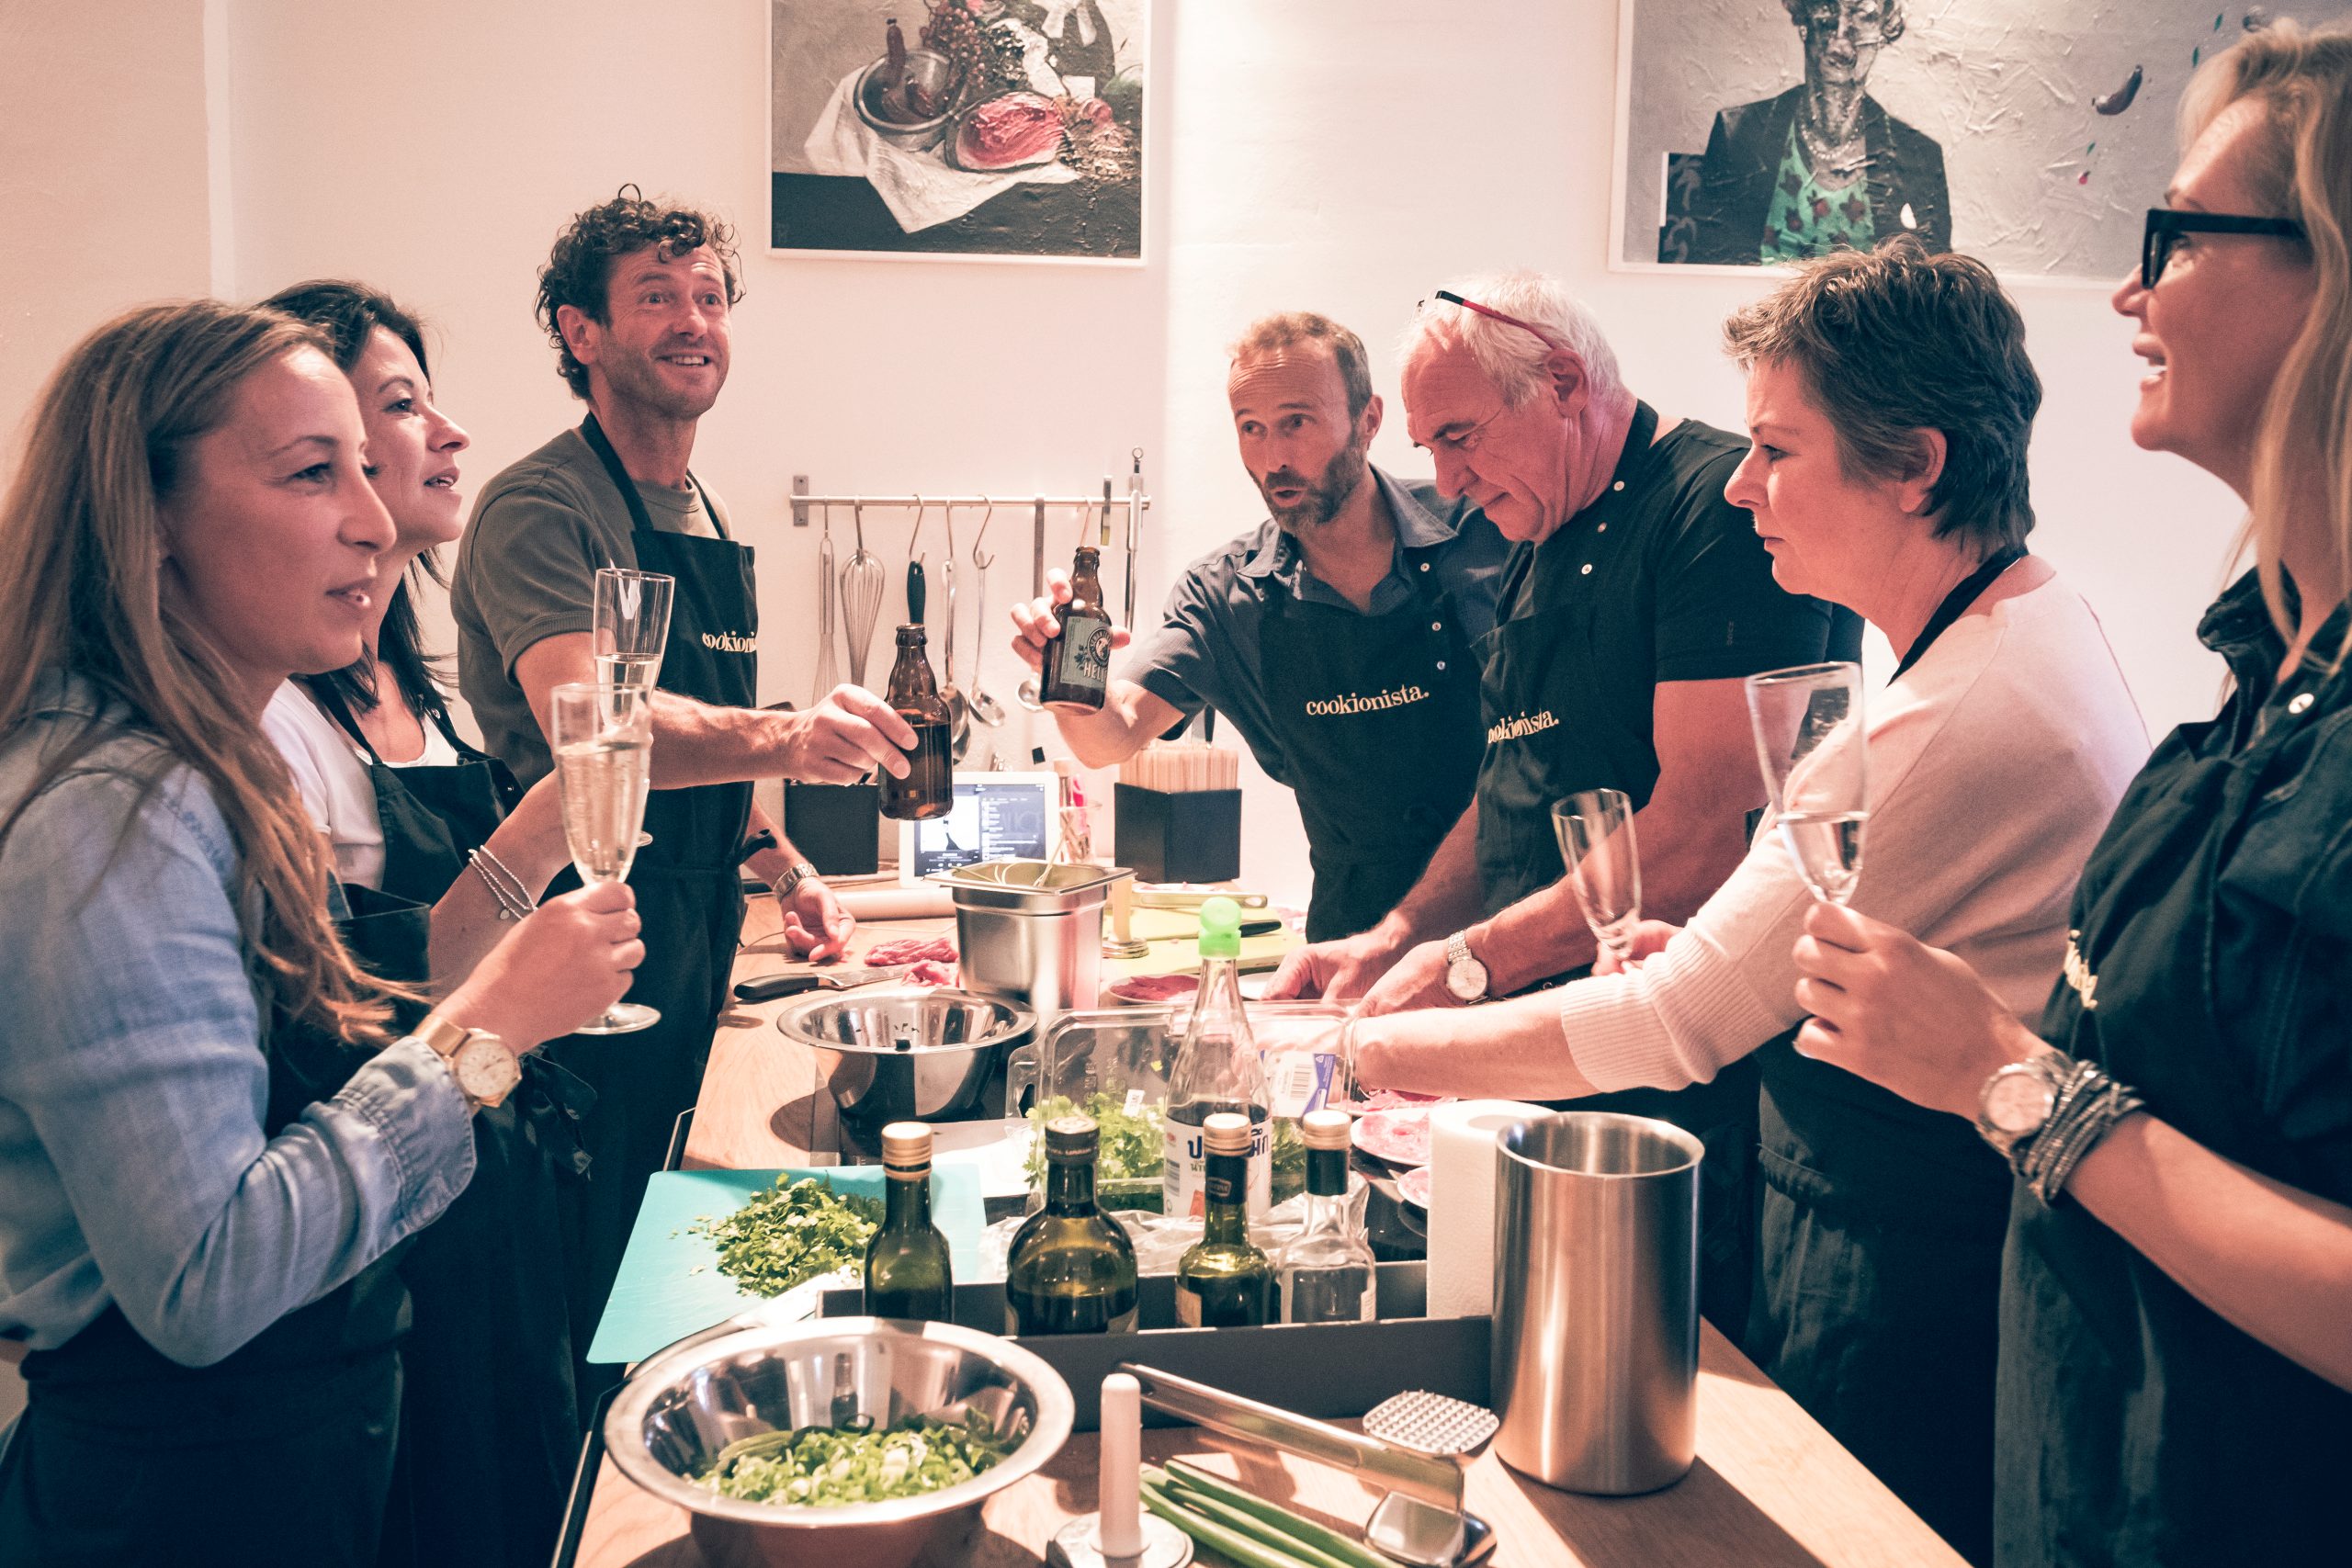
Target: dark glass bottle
[[1072, 1270], [1223, 1280], [929, 788], [907, 1269], [1077, 666]]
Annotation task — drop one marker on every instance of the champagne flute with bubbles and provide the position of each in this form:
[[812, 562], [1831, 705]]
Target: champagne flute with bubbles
[[604, 753], [629, 628], [1596, 832], [1809, 742]]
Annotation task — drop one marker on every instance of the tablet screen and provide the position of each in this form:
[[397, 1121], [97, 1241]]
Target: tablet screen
[[996, 817]]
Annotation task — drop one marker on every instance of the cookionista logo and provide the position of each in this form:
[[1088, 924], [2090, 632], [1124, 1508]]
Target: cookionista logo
[[1523, 726], [1355, 703], [730, 642]]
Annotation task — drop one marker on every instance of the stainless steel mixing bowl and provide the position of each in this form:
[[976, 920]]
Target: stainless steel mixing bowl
[[905, 1054], [932, 71], [745, 1377]]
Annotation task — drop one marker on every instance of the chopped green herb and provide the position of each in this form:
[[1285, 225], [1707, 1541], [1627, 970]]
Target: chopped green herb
[[791, 1234], [826, 1467]]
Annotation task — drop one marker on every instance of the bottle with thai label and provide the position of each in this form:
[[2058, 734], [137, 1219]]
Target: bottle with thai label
[[929, 788], [1325, 1273], [1223, 1280], [1076, 669], [1072, 1270], [907, 1269], [1216, 1068]]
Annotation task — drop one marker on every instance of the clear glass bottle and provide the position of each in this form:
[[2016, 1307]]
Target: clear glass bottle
[[1325, 1273], [1217, 1070], [929, 788], [1075, 672], [1224, 1280], [1072, 1270], [907, 1269]]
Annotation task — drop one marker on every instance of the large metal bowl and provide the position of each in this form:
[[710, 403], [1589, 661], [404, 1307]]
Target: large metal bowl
[[905, 1054], [745, 1377], [927, 67]]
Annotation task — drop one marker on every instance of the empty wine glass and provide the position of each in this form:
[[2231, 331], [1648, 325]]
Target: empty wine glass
[[604, 749], [1809, 742], [1596, 832], [629, 628]]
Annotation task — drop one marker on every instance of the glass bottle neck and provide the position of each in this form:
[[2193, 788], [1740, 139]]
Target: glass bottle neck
[[906, 1202], [1226, 1219], [1069, 1186]]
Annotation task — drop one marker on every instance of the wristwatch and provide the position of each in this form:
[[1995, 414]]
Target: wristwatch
[[800, 871], [485, 1069], [2016, 1100], [1465, 977]]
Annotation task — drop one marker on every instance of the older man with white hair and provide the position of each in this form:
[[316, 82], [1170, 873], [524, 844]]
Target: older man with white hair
[[1635, 601]]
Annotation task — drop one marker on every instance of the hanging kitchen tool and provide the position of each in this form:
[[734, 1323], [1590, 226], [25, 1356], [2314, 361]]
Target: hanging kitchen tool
[[1025, 694], [1135, 516], [828, 622], [914, 609], [985, 707], [959, 710], [862, 582]]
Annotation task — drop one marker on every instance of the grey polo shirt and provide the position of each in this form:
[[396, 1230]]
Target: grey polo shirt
[[1205, 653]]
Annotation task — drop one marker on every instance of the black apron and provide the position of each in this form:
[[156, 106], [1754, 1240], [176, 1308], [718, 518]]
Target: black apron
[[1380, 787], [689, 894], [2135, 1426], [488, 1429], [1536, 682], [281, 1453], [1881, 1234]]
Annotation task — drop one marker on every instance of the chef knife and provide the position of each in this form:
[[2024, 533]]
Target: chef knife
[[768, 987]]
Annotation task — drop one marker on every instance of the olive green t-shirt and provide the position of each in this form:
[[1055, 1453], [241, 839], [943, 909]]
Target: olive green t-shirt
[[526, 570]]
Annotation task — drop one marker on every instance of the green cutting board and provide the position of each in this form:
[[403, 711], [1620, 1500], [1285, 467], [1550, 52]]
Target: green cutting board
[[670, 1285]]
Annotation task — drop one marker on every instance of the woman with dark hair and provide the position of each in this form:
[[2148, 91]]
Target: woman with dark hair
[[211, 1143], [2177, 1301], [488, 1427], [1889, 402]]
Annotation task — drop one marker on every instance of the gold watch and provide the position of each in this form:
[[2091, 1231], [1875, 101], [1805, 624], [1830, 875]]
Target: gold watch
[[485, 1069]]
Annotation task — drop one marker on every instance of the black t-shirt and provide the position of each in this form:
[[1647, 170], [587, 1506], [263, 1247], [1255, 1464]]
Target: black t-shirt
[[1661, 579]]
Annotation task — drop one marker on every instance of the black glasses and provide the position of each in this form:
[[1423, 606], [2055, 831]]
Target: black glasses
[[2167, 226]]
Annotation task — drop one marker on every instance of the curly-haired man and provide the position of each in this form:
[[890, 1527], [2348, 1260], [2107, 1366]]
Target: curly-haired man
[[635, 298]]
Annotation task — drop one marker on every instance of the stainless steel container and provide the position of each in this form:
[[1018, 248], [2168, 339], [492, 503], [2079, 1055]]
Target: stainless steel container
[[932, 70], [690, 1401], [1031, 932], [1596, 1336], [891, 1056]]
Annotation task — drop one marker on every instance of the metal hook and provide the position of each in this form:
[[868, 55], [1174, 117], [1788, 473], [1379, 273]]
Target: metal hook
[[918, 533], [947, 515], [984, 563], [857, 516]]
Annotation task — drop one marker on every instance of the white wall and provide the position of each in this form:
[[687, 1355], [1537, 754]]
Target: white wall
[[1345, 156]]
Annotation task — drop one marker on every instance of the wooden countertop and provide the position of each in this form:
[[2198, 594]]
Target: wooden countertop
[[1771, 1489]]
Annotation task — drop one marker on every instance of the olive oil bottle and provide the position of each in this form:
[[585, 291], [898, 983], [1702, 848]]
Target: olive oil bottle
[[1223, 1282], [906, 1269], [1072, 1270], [1076, 670]]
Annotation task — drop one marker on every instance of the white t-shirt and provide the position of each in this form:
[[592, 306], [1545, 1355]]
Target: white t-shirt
[[1995, 763], [331, 771]]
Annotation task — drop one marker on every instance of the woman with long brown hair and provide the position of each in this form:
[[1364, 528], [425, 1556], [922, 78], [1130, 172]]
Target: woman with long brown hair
[[2174, 1352], [208, 1142]]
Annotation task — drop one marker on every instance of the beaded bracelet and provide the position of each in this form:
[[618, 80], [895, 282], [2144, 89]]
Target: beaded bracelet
[[2089, 1105]]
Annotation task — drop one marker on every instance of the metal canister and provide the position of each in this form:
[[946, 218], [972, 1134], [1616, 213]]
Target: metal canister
[[1034, 935], [1596, 1316]]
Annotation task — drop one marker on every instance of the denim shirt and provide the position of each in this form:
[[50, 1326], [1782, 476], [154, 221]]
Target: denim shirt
[[133, 1166]]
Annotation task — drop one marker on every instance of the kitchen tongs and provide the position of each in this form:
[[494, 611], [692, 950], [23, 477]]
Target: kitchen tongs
[[1422, 1521]]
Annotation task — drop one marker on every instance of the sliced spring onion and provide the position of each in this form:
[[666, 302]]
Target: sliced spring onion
[[1247, 1551], [1192, 1483]]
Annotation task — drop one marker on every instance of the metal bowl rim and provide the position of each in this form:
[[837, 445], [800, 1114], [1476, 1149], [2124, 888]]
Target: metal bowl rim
[[918, 126], [1019, 1022], [625, 1422]]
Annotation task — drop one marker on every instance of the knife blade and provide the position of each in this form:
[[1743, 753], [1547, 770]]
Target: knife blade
[[769, 987]]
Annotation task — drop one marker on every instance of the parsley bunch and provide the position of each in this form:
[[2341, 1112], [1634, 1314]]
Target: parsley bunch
[[791, 1234]]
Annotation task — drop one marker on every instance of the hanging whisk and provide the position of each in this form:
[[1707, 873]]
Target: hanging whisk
[[862, 582], [828, 622]]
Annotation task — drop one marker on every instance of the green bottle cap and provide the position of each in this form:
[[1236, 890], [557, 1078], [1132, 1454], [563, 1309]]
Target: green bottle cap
[[1220, 929]]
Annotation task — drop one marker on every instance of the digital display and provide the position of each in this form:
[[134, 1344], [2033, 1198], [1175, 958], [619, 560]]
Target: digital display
[[992, 820]]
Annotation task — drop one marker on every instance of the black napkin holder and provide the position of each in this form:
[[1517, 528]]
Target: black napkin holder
[[1194, 835]]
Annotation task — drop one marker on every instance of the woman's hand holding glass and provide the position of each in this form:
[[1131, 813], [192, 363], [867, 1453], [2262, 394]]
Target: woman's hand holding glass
[[572, 958]]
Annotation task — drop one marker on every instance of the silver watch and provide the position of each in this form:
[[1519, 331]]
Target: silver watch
[[800, 871], [2017, 1101], [1465, 977]]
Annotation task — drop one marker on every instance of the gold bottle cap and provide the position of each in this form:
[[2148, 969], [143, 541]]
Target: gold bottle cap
[[1326, 1129], [1225, 1134], [906, 1146]]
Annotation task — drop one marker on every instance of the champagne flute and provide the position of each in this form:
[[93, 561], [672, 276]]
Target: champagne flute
[[1809, 742], [604, 749], [629, 628], [1596, 833]]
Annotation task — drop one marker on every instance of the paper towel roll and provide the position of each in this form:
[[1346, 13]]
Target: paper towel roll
[[889, 903], [1462, 1202]]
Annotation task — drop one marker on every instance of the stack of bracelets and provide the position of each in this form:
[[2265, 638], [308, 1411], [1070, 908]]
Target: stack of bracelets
[[2089, 1104], [514, 902]]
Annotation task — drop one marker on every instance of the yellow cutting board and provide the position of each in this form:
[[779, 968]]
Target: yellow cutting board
[[1174, 935]]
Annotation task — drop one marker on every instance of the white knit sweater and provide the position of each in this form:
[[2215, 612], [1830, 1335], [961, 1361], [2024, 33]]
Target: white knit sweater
[[1995, 763]]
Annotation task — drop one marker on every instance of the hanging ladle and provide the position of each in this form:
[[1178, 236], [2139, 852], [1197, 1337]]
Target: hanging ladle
[[959, 711], [985, 708]]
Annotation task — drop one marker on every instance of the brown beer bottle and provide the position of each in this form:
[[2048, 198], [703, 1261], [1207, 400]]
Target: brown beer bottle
[[1077, 666], [929, 788]]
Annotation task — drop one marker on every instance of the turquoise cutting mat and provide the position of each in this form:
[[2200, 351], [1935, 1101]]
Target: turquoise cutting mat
[[670, 1285]]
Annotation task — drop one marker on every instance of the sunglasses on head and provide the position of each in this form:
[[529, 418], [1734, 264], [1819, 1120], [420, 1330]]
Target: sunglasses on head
[[2166, 226], [1492, 314]]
